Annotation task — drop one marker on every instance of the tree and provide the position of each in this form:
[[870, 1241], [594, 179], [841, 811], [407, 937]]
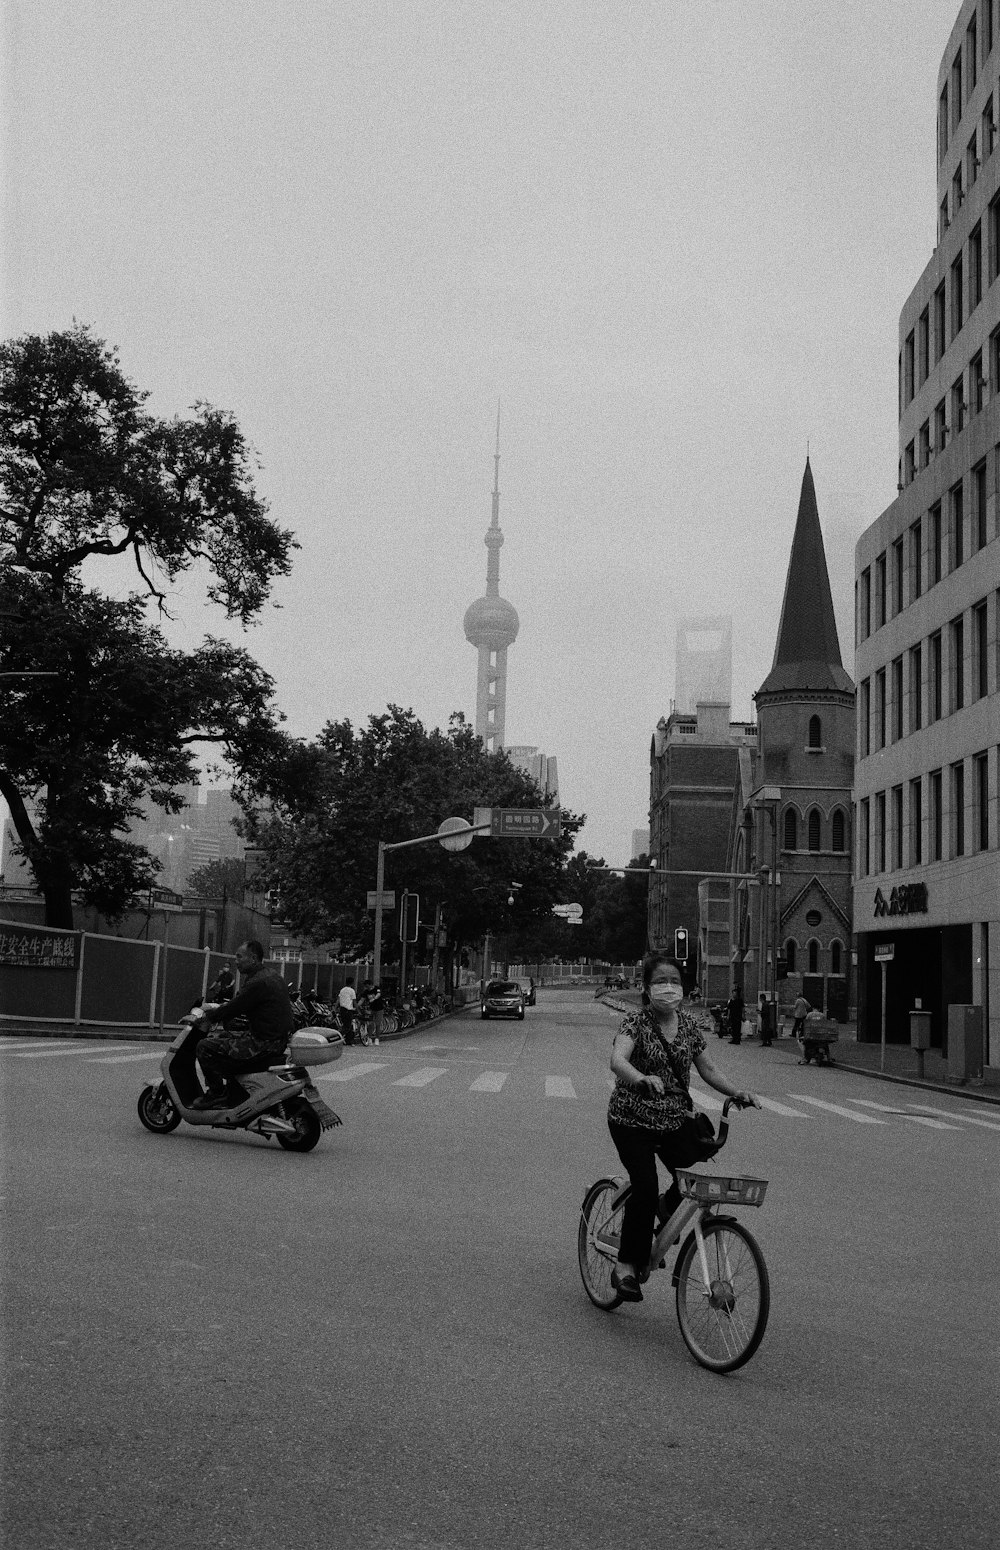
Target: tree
[[618, 921], [218, 879], [393, 780], [85, 471]]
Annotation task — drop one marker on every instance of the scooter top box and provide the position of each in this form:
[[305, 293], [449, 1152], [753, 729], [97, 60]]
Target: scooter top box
[[315, 1046]]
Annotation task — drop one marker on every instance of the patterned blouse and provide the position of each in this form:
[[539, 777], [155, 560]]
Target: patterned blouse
[[654, 1056]]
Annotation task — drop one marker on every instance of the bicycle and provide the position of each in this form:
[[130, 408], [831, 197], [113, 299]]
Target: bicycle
[[721, 1281]]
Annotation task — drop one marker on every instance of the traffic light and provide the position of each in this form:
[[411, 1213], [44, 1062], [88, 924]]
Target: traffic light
[[681, 943], [409, 917]]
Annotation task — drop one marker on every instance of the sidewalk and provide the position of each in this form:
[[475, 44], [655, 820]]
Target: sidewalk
[[865, 1059]]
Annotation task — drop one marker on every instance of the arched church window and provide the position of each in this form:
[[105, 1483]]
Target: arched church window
[[815, 732], [791, 838], [814, 829], [835, 958], [813, 956], [837, 840], [790, 954]]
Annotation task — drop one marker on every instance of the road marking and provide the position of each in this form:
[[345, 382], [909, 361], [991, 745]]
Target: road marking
[[489, 1082], [120, 1060], [360, 1068], [446, 1049], [781, 1108], [47, 1054], [705, 1099], [559, 1087], [916, 1119], [966, 1119], [16, 1049], [422, 1077], [835, 1108]]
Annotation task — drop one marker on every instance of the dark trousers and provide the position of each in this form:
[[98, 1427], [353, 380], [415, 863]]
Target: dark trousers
[[638, 1150]]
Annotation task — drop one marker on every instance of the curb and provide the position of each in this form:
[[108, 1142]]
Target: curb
[[143, 1034]]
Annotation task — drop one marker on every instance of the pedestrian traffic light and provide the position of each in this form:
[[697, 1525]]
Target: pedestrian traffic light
[[409, 917], [681, 943]]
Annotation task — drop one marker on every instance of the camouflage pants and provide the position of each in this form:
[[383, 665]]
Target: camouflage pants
[[222, 1055]]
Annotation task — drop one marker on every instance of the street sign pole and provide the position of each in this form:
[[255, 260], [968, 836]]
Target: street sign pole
[[379, 884], [882, 1064]]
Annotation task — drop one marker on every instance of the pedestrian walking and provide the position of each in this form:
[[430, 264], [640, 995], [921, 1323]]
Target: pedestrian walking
[[346, 1003], [735, 1009], [766, 1014], [800, 1011]]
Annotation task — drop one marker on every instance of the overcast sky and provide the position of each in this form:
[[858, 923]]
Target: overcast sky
[[673, 239]]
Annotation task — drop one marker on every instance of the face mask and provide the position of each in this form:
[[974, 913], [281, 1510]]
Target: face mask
[[666, 995]]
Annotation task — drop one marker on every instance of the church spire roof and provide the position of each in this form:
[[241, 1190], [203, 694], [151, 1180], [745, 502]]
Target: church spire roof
[[807, 651]]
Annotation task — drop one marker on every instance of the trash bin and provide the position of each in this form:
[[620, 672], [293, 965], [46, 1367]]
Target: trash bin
[[920, 1036]]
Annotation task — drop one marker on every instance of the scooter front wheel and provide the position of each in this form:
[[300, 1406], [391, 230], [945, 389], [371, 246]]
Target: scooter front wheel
[[307, 1127], [156, 1110]]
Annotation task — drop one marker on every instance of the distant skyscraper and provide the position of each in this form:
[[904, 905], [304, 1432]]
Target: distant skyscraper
[[539, 766], [640, 843], [704, 670], [491, 625]]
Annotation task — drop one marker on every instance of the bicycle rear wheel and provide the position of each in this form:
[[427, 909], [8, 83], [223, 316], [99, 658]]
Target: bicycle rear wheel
[[723, 1323], [597, 1240]]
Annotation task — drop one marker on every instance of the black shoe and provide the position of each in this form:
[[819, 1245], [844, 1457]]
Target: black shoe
[[210, 1101], [626, 1286]]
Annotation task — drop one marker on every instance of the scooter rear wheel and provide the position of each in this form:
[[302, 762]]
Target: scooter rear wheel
[[307, 1127], [157, 1111]]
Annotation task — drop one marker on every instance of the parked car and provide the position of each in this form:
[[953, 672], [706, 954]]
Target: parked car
[[503, 998]]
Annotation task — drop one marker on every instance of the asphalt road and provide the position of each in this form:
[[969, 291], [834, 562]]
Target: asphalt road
[[385, 1343]]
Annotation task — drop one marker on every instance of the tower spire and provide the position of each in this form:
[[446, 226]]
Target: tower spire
[[491, 625]]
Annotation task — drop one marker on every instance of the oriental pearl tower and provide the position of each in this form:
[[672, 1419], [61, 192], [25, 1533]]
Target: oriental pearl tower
[[491, 625]]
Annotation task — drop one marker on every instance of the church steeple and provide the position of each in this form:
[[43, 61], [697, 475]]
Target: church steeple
[[807, 651]]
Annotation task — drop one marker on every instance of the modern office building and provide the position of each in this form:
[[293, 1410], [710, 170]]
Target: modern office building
[[542, 768], [790, 845], [640, 843], [927, 579], [692, 769], [703, 672], [491, 625]]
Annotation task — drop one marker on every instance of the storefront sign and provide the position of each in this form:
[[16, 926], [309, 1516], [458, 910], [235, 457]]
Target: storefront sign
[[905, 899], [23, 947]]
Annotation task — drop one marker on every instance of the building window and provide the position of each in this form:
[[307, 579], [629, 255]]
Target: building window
[[835, 958], [987, 9], [897, 827], [958, 809], [790, 954], [934, 557], [977, 383], [865, 715], [940, 427], [924, 444], [956, 526], [989, 128], [937, 816], [897, 699], [909, 367], [995, 361], [916, 689], [880, 591], [864, 839], [935, 707], [814, 829], [909, 463], [880, 831], [837, 830], [916, 823], [923, 346], [956, 91], [957, 293], [981, 766], [957, 406], [957, 198], [940, 309], [791, 834], [915, 565], [972, 54], [975, 266], [898, 599], [980, 652], [815, 732], [880, 718], [957, 644], [943, 125], [866, 603], [979, 506], [813, 956], [971, 169]]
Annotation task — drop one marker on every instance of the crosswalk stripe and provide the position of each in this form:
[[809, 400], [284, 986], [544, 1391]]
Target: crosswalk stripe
[[17, 1049], [48, 1054], [836, 1108], [121, 1060], [705, 1100], [346, 1073], [422, 1077], [915, 1119], [966, 1119], [489, 1082], [559, 1087], [782, 1108]]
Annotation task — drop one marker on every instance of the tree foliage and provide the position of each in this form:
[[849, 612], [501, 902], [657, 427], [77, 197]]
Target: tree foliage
[[224, 878], [393, 780], [85, 471]]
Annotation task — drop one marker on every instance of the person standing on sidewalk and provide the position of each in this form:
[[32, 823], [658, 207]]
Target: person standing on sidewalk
[[800, 1011], [735, 1015], [346, 1003], [766, 1021]]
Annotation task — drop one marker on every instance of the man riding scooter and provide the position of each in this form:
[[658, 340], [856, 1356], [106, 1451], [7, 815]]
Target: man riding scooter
[[265, 1003]]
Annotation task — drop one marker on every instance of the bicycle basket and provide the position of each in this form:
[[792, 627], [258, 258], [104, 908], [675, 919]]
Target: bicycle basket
[[711, 1189]]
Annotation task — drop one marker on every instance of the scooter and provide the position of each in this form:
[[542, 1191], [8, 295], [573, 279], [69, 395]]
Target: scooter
[[280, 1100]]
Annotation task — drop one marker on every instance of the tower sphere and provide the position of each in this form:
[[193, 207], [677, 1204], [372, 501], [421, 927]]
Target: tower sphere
[[492, 622]]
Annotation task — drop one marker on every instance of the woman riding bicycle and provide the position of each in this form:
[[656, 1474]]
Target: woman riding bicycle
[[650, 1112]]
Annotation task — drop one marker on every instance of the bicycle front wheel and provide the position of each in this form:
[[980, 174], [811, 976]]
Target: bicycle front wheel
[[724, 1321], [597, 1240]]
